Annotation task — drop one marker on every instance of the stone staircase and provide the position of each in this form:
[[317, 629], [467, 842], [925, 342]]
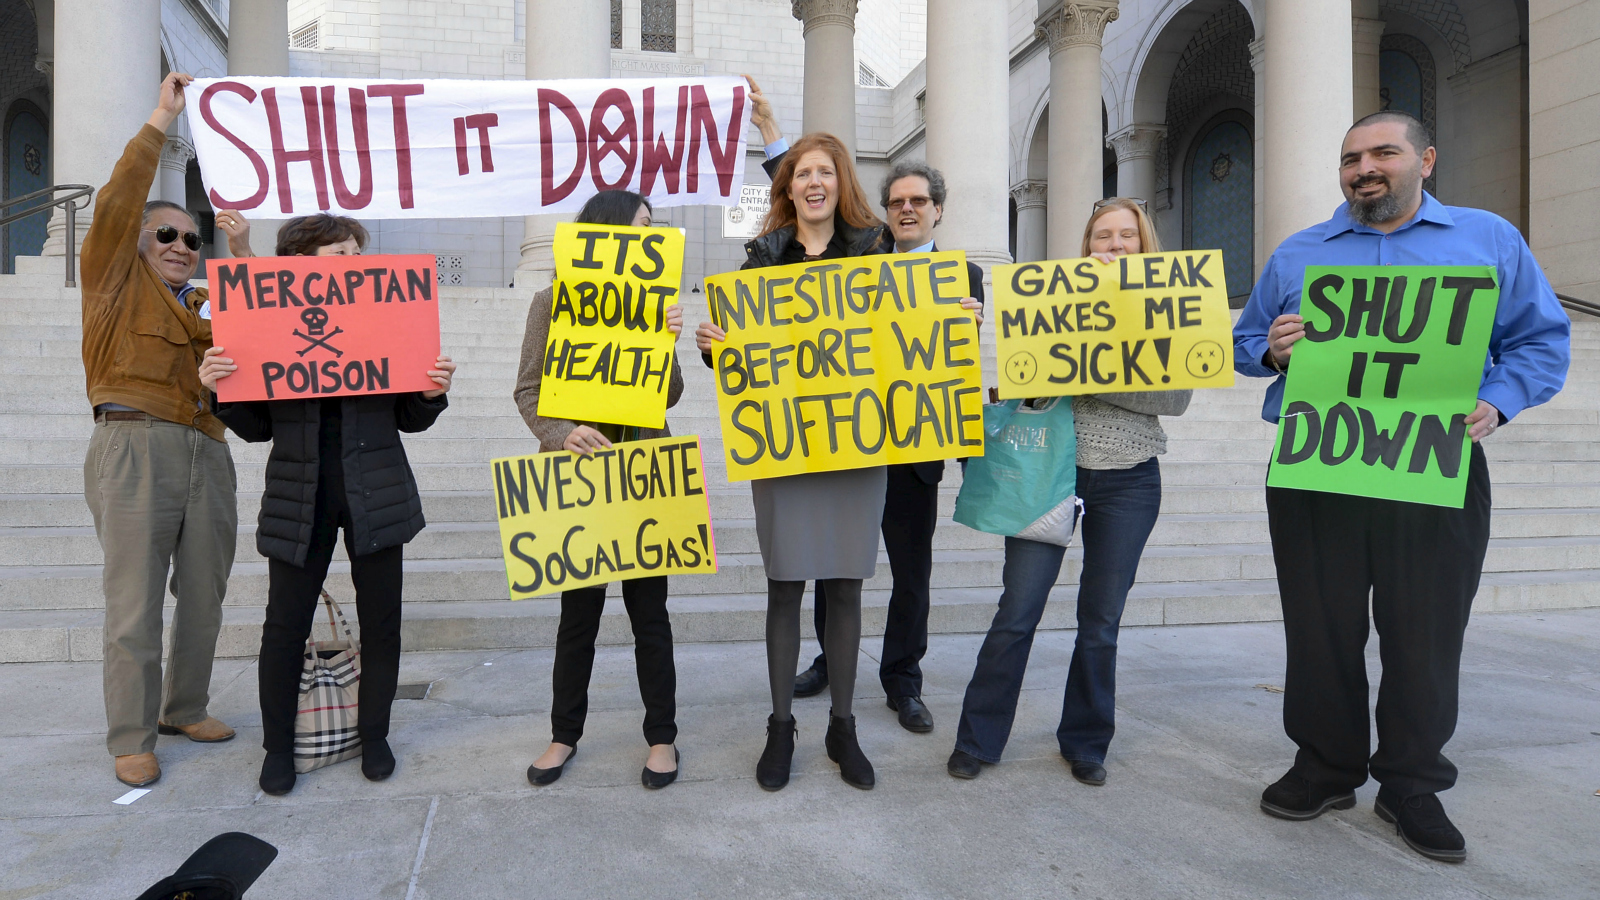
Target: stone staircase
[[1208, 561]]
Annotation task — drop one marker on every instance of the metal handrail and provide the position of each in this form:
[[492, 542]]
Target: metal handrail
[[69, 203], [1576, 305]]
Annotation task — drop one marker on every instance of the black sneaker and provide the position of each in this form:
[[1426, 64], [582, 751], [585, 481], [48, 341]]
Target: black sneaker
[[1294, 798], [1422, 824]]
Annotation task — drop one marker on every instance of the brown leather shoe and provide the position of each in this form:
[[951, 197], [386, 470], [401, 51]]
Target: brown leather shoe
[[138, 769], [210, 731]]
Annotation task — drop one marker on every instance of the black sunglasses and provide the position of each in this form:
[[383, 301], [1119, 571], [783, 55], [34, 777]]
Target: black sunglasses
[[166, 234]]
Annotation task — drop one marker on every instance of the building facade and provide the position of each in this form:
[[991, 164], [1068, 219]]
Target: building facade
[[1225, 115]]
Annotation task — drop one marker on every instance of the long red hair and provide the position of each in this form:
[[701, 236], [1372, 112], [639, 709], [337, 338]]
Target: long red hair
[[853, 206]]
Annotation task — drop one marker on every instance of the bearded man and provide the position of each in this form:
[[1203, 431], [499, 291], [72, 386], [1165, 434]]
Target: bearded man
[[1419, 564]]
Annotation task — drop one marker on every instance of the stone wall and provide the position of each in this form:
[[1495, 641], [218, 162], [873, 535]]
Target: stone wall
[[1564, 143]]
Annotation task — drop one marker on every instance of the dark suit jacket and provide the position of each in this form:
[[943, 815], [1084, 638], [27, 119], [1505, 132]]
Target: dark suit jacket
[[928, 472]]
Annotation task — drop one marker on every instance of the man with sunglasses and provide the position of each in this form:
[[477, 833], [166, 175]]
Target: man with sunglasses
[[158, 478]]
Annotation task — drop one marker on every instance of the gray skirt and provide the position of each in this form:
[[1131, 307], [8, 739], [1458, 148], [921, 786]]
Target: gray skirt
[[820, 524]]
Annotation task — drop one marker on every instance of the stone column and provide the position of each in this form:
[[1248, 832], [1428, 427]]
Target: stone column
[[830, 73], [1136, 147], [95, 115], [1305, 112], [565, 40], [967, 140], [1258, 64], [1366, 33], [1076, 180], [173, 175], [258, 44], [1031, 223]]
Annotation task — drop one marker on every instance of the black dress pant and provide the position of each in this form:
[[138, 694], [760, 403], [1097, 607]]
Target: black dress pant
[[293, 600], [646, 601], [1420, 565], [910, 514]]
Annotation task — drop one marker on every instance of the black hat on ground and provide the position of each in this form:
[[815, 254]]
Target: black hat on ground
[[222, 869]]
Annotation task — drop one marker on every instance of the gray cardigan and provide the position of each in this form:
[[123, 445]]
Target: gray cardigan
[[1119, 431]]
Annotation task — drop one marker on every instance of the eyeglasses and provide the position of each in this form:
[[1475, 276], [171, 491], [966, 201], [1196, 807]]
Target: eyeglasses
[[909, 203], [166, 234], [1142, 204]]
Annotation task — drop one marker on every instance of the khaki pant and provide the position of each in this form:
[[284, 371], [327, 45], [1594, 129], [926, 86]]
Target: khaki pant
[[160, 492]]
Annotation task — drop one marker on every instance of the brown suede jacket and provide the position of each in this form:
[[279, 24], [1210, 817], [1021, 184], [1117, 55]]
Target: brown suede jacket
[[141, 346]]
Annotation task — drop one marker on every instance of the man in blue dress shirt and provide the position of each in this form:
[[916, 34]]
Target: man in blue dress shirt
[[1421, 564]]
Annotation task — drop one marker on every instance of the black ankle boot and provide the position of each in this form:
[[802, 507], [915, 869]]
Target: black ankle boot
[[854, 767], [772, 770], [277, 773], [377, 760]]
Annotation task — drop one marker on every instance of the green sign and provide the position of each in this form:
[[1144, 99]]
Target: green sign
[[1380, 387]]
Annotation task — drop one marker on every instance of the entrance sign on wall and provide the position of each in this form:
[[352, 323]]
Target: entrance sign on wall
[[1148, 322], [309, 326], [435, 148], [1380, 387], [744, 220], [846, 363], [609, 356], [637, 509]]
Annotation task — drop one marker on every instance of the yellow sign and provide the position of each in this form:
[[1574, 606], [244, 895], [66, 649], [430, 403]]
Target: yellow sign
[[846, 363], [1149, 322], [569, 521], [609, 355]]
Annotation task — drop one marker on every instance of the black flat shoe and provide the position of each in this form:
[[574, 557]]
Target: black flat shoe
[[810, 683], [542, 777], [772, 770], [914, 714], [964, 765], [277, 773], [1422, 824], [1296, 799], [1088, 772], [844, 749], [377, 760], [655, 781]]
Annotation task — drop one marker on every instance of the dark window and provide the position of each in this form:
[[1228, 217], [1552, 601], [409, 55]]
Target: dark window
[[659, 26], [616, 24]]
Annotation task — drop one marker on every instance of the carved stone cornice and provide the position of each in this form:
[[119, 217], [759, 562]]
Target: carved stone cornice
[[1075, 23], [45, 66], [1030, 194], [813, 13], [1137, 142], [176, 153]]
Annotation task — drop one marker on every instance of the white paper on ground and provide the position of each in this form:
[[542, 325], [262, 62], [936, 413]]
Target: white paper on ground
[[131, 796]]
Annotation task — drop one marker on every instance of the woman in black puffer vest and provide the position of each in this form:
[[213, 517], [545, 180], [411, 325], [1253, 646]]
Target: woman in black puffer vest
[[336, 462]]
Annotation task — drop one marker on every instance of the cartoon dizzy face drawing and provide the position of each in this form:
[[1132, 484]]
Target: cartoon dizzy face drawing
[[1204, 359], [1021, 367]]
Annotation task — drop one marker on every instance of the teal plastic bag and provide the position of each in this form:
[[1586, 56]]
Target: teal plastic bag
[[1025, 483]]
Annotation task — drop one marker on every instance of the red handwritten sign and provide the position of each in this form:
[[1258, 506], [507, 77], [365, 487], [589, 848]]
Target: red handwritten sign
[[317, 326]]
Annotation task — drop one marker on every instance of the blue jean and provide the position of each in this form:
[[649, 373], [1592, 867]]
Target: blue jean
[[1120, 509]]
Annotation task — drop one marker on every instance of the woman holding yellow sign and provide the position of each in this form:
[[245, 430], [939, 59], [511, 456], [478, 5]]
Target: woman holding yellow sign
[[820, 526], [645, 598], [1119, 483]]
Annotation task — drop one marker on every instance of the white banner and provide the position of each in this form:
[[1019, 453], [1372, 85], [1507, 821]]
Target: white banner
[[434, 148]]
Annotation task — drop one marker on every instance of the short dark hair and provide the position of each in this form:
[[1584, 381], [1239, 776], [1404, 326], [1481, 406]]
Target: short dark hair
[[302, 236], [1416, 132], [935, 178], [151, 207], [612, 208]]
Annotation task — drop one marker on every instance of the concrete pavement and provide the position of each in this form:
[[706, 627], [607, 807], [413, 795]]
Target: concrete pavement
[[1199, 736]]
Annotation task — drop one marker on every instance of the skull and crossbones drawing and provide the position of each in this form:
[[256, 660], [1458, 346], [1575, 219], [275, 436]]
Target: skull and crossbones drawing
[[316, 321]]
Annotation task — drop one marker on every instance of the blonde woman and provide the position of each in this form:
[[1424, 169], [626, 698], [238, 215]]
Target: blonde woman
[[1119, 481]]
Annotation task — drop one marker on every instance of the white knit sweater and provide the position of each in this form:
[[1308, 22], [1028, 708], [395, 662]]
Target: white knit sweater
[[1119, 431]]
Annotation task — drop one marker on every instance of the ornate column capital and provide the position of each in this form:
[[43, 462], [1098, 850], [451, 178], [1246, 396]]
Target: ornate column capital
[[176, 153], [1136, 142], [1030, 194], [1075, 23], [825, 12]]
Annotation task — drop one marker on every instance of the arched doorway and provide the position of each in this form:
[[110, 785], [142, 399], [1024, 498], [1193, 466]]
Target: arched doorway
[[26, 169], [1219, 202], [1408, 82]]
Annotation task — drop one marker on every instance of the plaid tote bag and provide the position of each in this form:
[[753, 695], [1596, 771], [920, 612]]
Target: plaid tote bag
[[325, 724]]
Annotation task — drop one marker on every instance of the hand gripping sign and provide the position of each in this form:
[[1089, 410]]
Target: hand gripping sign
[[1149, 322], [569, 521], [846, 363], [609, 354], [441, 149], [1380, 387], [309, 326]]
